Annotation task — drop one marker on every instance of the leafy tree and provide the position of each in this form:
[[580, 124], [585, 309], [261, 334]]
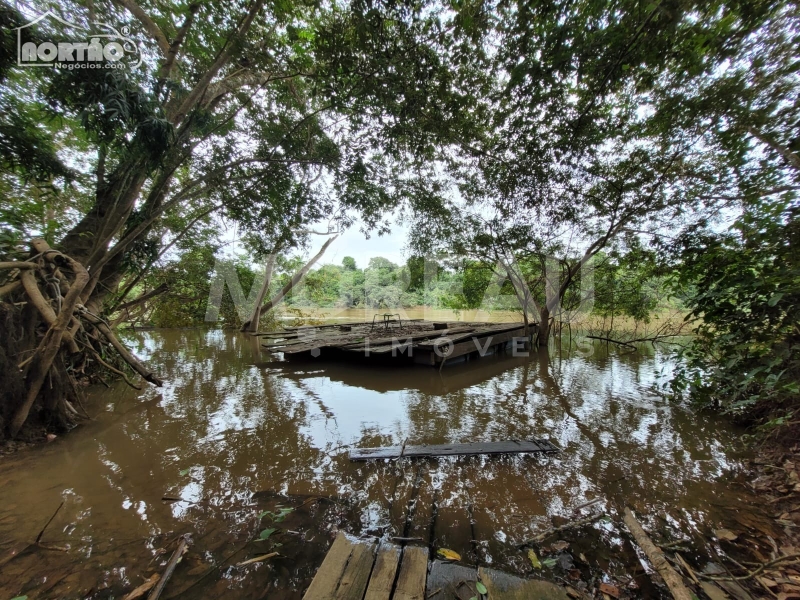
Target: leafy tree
[[745, 294]]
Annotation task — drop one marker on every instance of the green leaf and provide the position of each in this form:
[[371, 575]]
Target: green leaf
[[266, 533], [549, 562], [775, 299], [185, 472], [481, 588], [20, 598], [263, 514]]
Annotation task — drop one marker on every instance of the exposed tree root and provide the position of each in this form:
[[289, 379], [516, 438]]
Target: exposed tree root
[[50, 337]]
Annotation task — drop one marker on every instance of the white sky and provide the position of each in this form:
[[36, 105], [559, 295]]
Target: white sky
[[353, 243]]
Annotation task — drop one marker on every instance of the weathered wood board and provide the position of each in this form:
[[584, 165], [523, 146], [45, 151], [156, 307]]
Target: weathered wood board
[[510, 447], [413, 573], [326, 581], [382, 581]]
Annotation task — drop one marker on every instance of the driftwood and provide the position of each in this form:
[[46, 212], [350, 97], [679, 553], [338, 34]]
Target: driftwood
[[566, 526], [173, 562], [657, 558], [142, 589]]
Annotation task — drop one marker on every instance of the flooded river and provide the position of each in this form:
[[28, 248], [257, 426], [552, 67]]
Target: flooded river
[[235, 432]]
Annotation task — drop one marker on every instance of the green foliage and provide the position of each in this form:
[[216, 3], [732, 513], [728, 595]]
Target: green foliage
[[627, 285], [745, 292]]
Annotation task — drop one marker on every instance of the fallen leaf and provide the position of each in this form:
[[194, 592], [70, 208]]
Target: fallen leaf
[[572, 592], [481, 588], [534, 559], [609, 589], [50, 438], [559, 546], [257, 559], [144, 588], [549, 562], [725, 534], [582, 556], [184, 472], [448, 554], [574, 574]]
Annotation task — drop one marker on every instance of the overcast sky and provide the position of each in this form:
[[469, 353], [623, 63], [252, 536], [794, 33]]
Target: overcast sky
[[351, 243]]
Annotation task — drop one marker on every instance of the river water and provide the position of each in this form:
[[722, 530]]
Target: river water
[[235, 432]]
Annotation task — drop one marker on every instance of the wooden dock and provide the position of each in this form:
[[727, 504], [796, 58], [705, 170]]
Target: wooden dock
[[420, 342], [364, 570], [509, 447]]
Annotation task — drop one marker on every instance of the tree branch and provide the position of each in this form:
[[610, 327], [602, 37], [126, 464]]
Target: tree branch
[[153, 30]]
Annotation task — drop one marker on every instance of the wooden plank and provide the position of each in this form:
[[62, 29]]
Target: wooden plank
[[325, 582], [479, 333], [400, 337], [448, 579], [509, 447], [356, 574], [413, 574], [502, 586], [482, 344], [382, 581]]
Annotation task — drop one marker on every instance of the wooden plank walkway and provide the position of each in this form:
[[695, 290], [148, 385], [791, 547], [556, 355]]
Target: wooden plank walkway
[[358, 570], [353, 570], [510, 447]]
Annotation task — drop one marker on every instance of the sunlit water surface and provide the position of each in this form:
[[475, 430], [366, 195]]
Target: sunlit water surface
[[231, 421]]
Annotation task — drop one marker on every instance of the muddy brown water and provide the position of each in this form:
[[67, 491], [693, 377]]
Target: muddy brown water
[[235, 432]]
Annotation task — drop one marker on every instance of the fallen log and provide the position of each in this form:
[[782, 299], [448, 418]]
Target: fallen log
[[657, 558]]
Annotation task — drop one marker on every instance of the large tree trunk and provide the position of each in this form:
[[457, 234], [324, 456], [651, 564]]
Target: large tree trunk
[[543, 334], [293, 282], [251, 325]]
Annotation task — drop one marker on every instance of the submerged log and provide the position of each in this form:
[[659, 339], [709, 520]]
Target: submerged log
[[657, 558]]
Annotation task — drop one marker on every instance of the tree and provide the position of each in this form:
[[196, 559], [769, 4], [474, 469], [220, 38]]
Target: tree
[[349, 263], [238, 112]]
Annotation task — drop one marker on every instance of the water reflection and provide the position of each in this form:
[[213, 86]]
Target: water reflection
[[231, 421]]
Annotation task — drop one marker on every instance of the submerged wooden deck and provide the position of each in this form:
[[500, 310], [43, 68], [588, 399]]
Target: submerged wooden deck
[[363, 570], [420, 342]]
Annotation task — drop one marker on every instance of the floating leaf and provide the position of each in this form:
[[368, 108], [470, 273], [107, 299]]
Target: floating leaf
[[281, 514], [481, 588], [448, 554], [266, 533], [534, 559], [549, 562], [725, 534], [185, 472]]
